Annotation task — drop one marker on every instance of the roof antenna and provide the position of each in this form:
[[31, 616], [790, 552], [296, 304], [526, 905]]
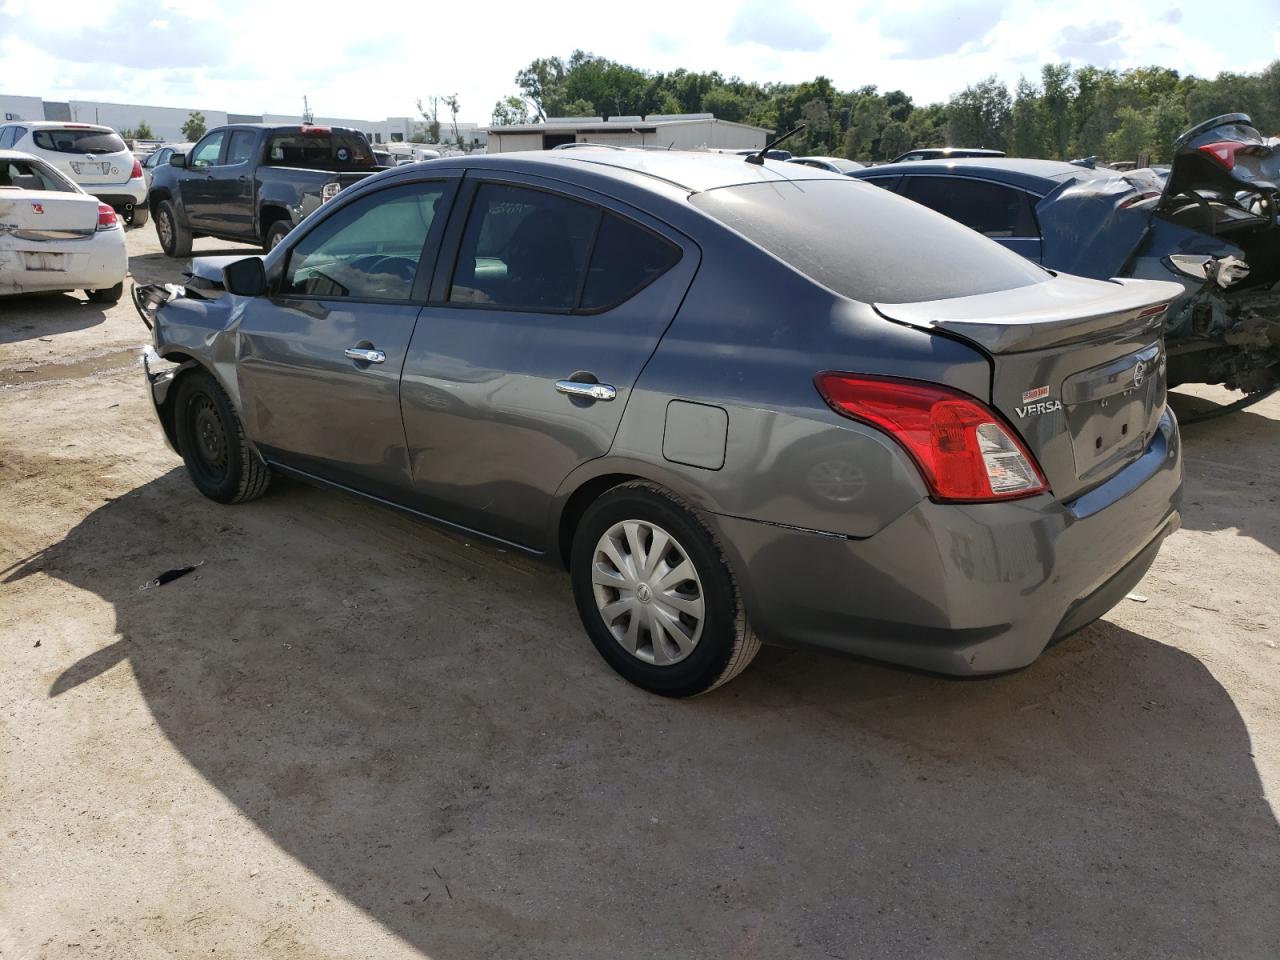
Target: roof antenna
[[758, 158]]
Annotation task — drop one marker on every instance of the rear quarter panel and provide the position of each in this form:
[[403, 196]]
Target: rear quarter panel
[[749, 339]]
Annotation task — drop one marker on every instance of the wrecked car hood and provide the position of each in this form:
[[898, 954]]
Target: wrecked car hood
[[1091, 228]]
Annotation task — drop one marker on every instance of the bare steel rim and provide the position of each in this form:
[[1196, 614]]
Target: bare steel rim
[[648, 592], [164, 226]]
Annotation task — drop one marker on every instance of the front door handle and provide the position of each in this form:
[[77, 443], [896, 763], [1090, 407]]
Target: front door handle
[[365, 355], [588, 391]]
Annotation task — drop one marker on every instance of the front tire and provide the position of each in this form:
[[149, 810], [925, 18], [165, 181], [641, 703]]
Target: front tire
[[212, 442], [106, 294], [175, 239], [656, 595], [277, 232]]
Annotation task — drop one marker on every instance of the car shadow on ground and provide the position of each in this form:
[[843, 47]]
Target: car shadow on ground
[[421, 723], [1225, 464], [159, 268], [47, 314]]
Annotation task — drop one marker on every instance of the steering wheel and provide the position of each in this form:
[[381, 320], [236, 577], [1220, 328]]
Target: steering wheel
[[402, 268]]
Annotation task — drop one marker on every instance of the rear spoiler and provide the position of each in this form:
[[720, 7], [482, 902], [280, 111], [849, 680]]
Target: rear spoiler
[[1038, 316]]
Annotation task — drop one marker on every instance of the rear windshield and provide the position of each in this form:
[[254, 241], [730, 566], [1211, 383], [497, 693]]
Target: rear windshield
[[78, 141], [338, 150], [33, 175], [866, 243]]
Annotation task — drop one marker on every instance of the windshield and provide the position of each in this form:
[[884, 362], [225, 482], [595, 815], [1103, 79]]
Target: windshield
[[321, 149], [866, 243], [78, 141]]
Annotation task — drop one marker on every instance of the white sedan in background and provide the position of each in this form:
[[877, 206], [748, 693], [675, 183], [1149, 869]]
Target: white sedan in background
[[54, 237]]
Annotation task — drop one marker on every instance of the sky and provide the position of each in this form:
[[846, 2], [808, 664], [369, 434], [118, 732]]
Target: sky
[[251, 56]]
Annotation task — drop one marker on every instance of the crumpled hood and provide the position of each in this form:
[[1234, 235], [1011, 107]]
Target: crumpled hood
[[1091, 228]]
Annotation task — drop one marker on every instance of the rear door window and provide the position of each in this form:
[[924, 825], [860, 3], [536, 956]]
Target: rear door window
[[524, 249], [626, 259], [368, 250], [992, 209], [79, 141], [240, 150], [7, 137], [319, 148]]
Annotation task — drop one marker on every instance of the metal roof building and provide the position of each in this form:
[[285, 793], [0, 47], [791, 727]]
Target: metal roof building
[[680, 131]]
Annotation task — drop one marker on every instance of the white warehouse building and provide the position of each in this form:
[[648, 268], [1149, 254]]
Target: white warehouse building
[[166, 122], [679, 131]]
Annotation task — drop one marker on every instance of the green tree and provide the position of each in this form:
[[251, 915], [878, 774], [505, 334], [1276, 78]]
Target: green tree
[[577, 108], [143, 131], [1026, 137], [194, 128], [542, 83], [724, 103], [895, 139], [980, 115], [1133, 135], [429, 130], [1058, 93], [510, 110]]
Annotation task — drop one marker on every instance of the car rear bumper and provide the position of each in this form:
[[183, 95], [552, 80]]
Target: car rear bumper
[[93, 263], [962, 589], [133, 193]]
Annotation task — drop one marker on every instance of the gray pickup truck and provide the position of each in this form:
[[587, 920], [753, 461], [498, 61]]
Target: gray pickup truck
[[253, 182]]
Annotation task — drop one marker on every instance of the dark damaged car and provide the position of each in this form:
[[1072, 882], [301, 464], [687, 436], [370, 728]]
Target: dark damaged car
[[684, 377], [1209, 223]]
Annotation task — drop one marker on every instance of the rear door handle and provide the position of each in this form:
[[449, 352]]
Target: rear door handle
[[365, 355], [588, 391]]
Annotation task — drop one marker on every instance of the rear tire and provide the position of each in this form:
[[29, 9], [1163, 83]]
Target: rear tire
[[138, 216], [212, 442], [705, 639], [175, 238], [275, 233], [107, 294]]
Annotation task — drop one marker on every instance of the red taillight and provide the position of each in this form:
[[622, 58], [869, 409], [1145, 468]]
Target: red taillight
[[137, 170], [964, 450], [107, 218], [1224, 152]]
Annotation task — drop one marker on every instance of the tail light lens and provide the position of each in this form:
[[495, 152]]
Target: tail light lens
[[107, 219], [1224, 151], [329, 191], [137, 170], [963, 449]]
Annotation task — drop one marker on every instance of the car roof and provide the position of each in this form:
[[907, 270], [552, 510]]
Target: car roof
[[689, 170], [59, 125], [1029, 174]]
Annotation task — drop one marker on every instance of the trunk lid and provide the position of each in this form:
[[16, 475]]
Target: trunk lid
[[1078, 367], [45, 215]]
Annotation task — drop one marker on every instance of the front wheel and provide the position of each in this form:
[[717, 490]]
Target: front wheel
[[212, 442], [175, 239], [277, 232], [656, 595]]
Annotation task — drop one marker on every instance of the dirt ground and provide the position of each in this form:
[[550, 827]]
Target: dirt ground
[[350, 735]]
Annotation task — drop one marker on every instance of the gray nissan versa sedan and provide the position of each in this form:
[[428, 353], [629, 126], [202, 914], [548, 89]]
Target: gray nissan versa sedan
[[740, 402]]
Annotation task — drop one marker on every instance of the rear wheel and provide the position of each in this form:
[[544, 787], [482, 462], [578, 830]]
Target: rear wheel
[[212, 442], [107, 294], [175, 239], [277, 232], [138, 215], [656, 594]]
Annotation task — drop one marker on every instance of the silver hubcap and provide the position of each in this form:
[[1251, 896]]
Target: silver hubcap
[[648, 592]]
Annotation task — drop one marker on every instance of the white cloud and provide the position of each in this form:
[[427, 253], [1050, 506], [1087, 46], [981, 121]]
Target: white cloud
[[205, 54]]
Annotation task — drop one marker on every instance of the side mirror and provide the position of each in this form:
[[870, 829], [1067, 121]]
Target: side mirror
[[178, 159], [245, 278]]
